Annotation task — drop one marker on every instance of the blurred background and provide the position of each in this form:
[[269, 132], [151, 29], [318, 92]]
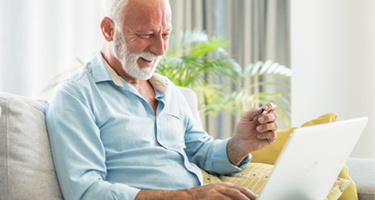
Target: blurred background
[[328, 45]]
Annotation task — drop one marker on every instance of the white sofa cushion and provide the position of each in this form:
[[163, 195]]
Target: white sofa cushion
[[26, 166]]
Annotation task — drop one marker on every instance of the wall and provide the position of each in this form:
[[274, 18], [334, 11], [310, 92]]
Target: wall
[[333, 51]]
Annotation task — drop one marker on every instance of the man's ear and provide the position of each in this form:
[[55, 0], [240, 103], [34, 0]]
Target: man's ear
[[108, 29]]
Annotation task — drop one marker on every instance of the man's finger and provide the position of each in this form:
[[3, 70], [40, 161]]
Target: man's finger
[[266, 118], [248, 193], [252, 114], [267, 127], [269, 107], [269, 135], [238, 192], [234, 193]]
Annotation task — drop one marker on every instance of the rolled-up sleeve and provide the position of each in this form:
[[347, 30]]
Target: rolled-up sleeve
[[77, 149], [212, 156]]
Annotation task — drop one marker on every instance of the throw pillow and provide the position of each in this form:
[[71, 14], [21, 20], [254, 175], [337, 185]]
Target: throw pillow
[[270, 153], [351, 192]]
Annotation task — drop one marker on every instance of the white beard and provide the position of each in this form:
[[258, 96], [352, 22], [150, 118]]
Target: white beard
[[129, 60]]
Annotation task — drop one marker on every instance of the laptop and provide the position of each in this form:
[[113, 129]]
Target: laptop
[[311, 160]]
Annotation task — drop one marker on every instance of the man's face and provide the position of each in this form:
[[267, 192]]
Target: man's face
[[142, 42]]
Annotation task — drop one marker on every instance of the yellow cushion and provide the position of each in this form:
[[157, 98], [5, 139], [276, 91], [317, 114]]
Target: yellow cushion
[[351, 192], [270, 153], [254, 175], [209, 178], [338, 188]]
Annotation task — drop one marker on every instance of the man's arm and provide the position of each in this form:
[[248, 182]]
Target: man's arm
[[201, 148], [77, 149], [256, 129]]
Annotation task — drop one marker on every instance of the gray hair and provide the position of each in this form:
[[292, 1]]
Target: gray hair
[[115, 10]]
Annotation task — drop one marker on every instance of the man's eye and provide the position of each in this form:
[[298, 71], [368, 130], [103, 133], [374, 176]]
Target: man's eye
[[148, 36]]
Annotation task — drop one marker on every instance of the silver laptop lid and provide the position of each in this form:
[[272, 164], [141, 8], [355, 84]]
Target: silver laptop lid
[[311, 160]]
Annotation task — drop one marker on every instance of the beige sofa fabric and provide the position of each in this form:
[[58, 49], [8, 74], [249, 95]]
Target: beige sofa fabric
[[363, 174], [26, 166]]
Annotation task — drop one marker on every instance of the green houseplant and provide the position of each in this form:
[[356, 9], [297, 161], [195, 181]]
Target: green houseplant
[[193, 59]]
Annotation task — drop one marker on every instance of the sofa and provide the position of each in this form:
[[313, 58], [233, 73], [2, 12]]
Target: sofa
[[27, 170]]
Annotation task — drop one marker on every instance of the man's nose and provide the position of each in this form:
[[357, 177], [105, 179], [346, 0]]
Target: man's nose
[[158, 45]]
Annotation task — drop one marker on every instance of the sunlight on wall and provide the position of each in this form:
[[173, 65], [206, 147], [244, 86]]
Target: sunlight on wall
[[333, 63]]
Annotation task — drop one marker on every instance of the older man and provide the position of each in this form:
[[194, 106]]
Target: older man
[[119, 131]]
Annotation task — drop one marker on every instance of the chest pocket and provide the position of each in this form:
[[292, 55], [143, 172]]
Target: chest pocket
[[174, 132]]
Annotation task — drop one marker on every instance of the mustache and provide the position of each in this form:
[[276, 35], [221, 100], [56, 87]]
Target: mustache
[[148, 56]]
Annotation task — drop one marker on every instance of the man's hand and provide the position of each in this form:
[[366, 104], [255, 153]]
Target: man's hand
[[218, 191], [256, 129], [223, 190]]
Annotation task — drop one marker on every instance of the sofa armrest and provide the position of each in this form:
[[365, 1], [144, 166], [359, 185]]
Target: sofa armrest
[[363, 174], [192, 100]]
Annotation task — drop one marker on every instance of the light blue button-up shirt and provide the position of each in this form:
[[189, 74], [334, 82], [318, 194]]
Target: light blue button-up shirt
[[107, 143]]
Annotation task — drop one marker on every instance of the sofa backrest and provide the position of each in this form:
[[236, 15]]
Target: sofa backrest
[[26, 166]]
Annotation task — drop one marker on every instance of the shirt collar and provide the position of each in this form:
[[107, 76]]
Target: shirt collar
[[155, 81], [115, 78]]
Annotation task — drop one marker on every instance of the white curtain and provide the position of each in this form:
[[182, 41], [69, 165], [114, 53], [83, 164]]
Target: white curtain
[[42, 38]]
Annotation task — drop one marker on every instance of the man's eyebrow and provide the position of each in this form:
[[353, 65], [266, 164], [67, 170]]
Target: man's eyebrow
[[144, 31], [151, 31]]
